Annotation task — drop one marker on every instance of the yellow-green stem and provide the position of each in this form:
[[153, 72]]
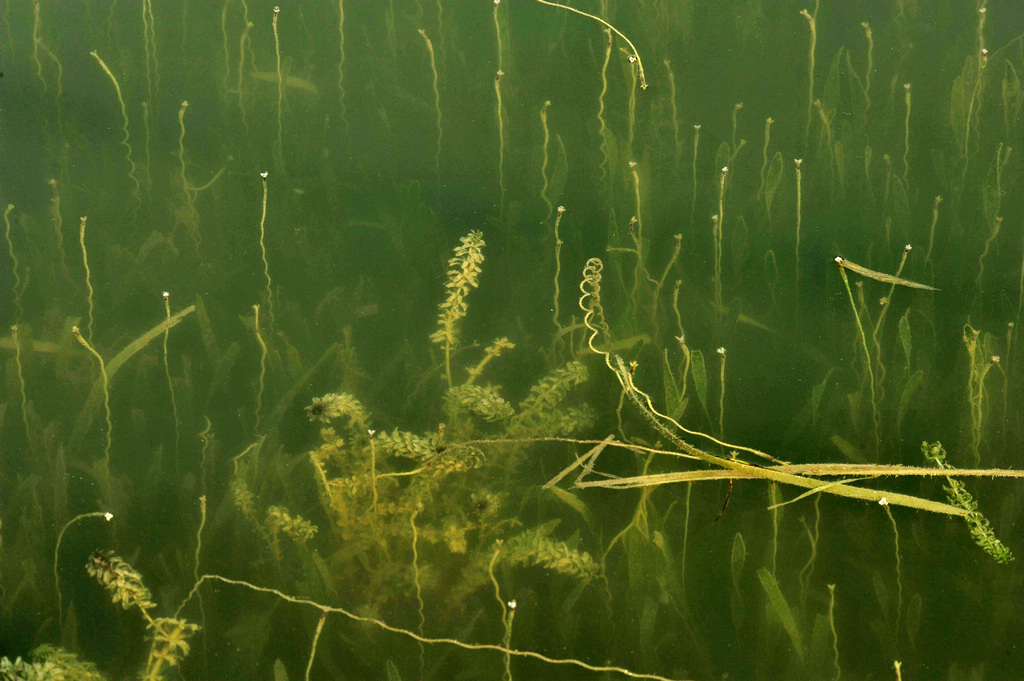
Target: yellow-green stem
[[867, 354]]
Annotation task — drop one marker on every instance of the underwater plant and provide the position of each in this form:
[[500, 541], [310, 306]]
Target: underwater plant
[[409, 447]]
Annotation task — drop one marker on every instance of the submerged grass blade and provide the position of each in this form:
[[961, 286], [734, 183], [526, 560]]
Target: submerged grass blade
[[788, 475], [781, 608], [586, 461], [95, 398], [881, 276]]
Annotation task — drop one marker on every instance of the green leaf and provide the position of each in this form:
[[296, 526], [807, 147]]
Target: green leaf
[[840, 153], [942, 164], [847, 449], [817, 393], [904, 327], [740, 244], [914, 612], [820, 652], [908, 392], [558, 173], [293, 361], [648, 628], [206, 331], [991, 200], [739, 558], [700, 377], [224, 366], [99, 386], [721, 161], [1011, 96], [771, 269], [771, 185], [881, 593], [671, 390], [860, 103], [781, 608], [831, 97], [962, 101], [573, 502]]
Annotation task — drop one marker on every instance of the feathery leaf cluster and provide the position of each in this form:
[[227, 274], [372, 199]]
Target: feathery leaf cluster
[[463, 272], [535, 547], [120, 579], [485, 402], [957, 494]]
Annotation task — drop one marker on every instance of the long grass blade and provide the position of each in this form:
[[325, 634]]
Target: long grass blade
[[781, 608], [95, 398], [881, 276]]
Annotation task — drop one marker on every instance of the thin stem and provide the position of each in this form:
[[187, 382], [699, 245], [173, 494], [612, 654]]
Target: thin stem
[[634, 55], [867, 352], [381, 624], [56, 551]]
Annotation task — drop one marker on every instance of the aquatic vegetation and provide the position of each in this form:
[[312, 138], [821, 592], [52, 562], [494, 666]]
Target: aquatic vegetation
[[125, 141], [49, 664], [813, 26], [584, 400], [463, 270], [981, 529], [170, 635], [279, 145], [437, 94], [121, 580]]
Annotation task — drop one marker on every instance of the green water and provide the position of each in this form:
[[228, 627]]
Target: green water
[[368, 363]]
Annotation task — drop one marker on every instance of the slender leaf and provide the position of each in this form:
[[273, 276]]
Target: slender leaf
[[95, 398], [721, 161], [908, 393], [558, 173], [700, 377], [739, 558], [771, 185], [781, 608], [817, 393], [573, 502], [668, 379], [840, 153], [905, 340]]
